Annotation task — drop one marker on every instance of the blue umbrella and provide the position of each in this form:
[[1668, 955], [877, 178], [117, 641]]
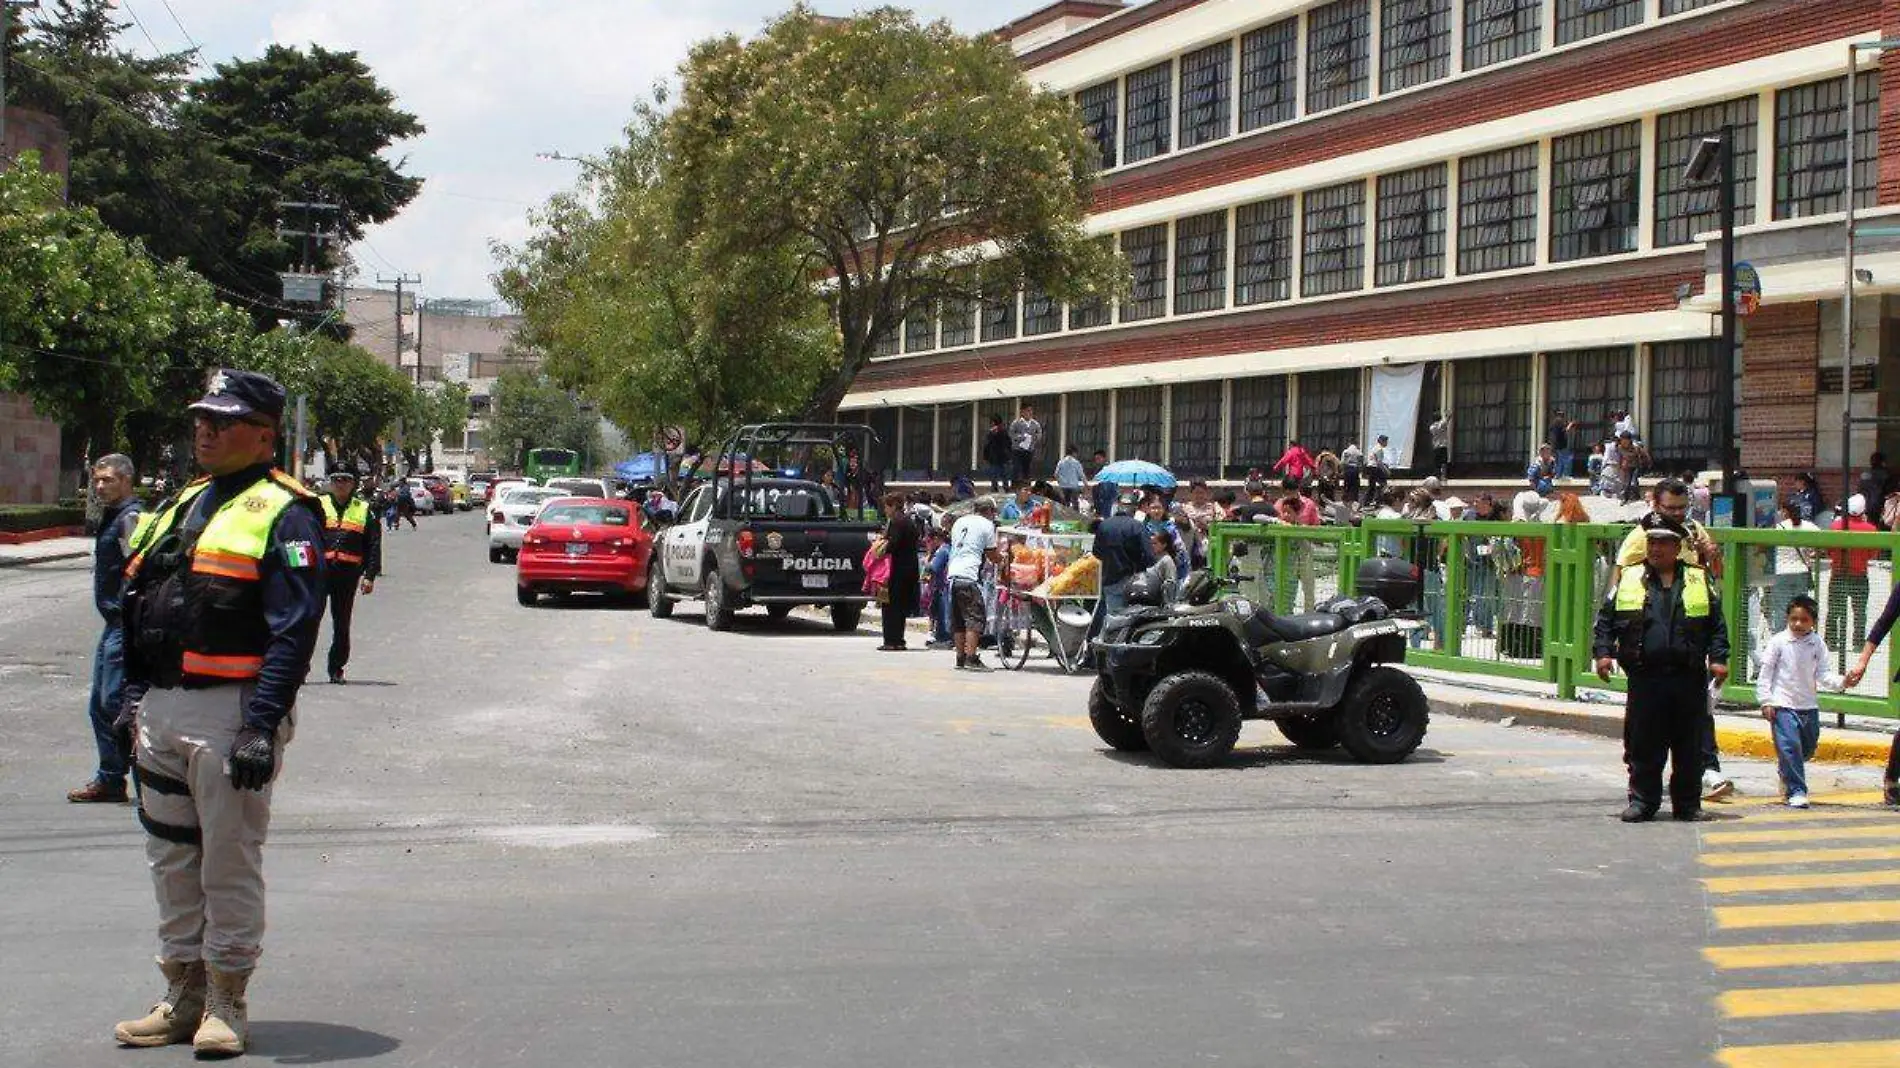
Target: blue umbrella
[[1136, 473], [642, 468]]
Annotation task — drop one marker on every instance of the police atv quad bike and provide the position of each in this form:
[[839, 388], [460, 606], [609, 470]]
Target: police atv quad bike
[[1178, 681]]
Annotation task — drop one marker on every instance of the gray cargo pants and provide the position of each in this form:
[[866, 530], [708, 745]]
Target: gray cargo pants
[[206, 837]]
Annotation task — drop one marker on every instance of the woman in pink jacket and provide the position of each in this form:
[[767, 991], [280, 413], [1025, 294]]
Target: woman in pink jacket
[[1296, 463]]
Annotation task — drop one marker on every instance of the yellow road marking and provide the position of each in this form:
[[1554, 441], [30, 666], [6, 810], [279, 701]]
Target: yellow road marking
[[1800, 834], [1819, 814], [1819, 914], [1846, 797], [1799, 856], [1810, 1000], [1748, 884], [1801, 955], [1816, 1055]]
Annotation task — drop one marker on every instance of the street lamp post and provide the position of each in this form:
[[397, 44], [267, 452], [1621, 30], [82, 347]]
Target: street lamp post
[[1713, 161]]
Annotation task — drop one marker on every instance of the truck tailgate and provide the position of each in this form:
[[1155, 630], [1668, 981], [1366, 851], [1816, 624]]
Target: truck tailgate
[[820, 560]]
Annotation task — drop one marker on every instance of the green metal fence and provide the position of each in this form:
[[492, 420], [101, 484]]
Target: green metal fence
[[1519, 600]]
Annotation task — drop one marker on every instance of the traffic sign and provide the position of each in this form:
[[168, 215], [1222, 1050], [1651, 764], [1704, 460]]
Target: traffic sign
[[672, 439], [1747, 288]]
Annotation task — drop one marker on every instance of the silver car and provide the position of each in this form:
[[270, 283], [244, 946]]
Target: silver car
[[511, 515]]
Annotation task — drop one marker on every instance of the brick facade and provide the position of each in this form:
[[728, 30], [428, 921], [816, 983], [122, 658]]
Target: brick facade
[[1780, 383], [29, 453]]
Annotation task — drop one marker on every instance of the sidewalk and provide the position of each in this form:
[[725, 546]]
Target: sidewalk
[[41, 552]]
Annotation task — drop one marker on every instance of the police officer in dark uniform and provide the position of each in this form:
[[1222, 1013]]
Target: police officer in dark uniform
[[1662, 622], [353, 556], [224, 594]]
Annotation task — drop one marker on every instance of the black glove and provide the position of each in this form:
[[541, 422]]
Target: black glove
[[125, 726], [253, 759]]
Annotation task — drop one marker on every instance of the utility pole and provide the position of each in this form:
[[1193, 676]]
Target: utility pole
[[6, 37], [402, 280]]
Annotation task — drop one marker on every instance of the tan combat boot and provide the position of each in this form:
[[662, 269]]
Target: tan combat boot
[[226, 1025], [175, 1017]]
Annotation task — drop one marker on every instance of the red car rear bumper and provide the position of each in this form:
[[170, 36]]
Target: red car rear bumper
[[541, 570]]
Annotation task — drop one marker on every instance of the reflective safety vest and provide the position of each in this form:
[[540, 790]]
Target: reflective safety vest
[[201, 601], [1632, 593], [343, 540]]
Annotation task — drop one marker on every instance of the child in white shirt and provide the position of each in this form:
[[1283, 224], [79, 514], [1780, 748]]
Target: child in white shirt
[[1793, 668]]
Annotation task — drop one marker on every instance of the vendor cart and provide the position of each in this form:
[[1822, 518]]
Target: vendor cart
[[1046, 597]]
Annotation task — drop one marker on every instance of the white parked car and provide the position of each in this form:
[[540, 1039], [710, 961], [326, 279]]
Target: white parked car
[[581, 487], [510, 516], [425, 501]]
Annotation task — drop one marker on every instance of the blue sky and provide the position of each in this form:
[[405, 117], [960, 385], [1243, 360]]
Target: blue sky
[[495, 81]]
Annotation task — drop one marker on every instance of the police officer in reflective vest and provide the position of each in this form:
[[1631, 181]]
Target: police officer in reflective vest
[[1663, 623], [353, 556], [224, 594]]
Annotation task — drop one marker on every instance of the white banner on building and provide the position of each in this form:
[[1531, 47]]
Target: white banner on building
[[1394, 412]]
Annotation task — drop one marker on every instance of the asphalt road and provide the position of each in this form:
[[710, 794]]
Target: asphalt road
[[580, 836]]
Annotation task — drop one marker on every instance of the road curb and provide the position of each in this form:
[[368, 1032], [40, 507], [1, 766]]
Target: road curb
[[47, 559], [1731, 738]]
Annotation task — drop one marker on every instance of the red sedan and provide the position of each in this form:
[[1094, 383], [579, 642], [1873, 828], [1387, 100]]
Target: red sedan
[[583, 545]]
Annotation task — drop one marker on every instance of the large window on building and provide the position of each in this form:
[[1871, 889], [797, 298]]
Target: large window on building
[[1138, 424], [1194, 429], [1146, 251], [1263, 251], [1207, 93], [999, 313], [889, 341], [1270, 75], [1333, 253], [920, 330], [1042, 314], [1329, 409], [1200, 263], [920, 435], [1677, 7], [1811, 146], [1411, 239], [1595, 182], [1091, 313], [1257, 427], [1097, 106], [1085, 422], [1497, 30], [954, 437], [1048, 409], [1686, 380], [959, 322], [1578, 20], [1491, 414], [1150, 126], [1338, 48], [883, 423], [1684, 210], [1497, 210], [1414, 43], [1587, 385]]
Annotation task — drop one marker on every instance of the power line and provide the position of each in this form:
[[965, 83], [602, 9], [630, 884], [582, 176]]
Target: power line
[[197, 52], [140, 23]]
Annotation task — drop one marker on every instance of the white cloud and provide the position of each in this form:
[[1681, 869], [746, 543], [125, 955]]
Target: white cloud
[[494, 82]]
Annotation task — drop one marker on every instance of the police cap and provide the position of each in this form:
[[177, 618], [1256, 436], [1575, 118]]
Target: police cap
[[239, 394], [1657, 525]]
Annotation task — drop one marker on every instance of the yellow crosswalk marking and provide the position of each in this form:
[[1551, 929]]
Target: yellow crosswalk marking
[[1818, 814], [1761, 857], [1819, 914], [1751, 884], [1816, 1055], [1810, 1000], [1846, 797], [1801, 834], [1801, 955]]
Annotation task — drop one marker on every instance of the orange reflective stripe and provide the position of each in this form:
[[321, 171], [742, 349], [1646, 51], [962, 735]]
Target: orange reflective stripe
[[224, 565], [354, 528], [338, 556], [223, 667]]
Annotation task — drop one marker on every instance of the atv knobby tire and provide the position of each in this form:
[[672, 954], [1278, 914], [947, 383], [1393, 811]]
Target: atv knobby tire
[[1383, 717], [1307, 732], [1191, 719], [1119, 729]]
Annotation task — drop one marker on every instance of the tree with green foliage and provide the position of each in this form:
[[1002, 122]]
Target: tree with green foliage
[[530, 412], [438, 410], [910, 164], [628, 307], [355, 398]]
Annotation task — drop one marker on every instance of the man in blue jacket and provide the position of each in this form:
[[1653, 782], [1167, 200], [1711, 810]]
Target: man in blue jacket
[[113, 482]]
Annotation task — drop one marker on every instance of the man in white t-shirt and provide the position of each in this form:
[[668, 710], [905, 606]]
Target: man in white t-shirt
[[972, 544]]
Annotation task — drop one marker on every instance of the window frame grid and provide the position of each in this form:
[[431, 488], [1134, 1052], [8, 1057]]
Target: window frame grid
[[919, 434], [1257, 419], [1574, 160], [1148, 126], [1042, 314], [1338, 55], [1148, 270], [1083, 413], [1828, 94], [1521, 39], [889, 341], [1424, 58], [1200, 274], [1492, 396], [996, 315], [1683, 210], [1589, 407], [920, 329], [1416, 194], [1580, 20], [1672, 433], [1195, 453], [1269, 79], [1344, 210], [1330, 419], [1206, 73], [1510, 177], [954, 446], [1678, 7], [1129, 401], [1255, 227], [1100, 119], [966, 331]]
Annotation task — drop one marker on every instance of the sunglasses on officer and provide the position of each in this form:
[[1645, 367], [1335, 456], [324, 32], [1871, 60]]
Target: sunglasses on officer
[[218, 424]]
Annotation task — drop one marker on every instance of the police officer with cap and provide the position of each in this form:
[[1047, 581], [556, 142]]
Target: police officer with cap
[[1663, 623], [224, 595], [353, 556]]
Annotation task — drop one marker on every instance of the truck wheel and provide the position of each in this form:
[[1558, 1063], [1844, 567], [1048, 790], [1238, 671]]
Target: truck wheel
[[1383, 718], [844, 617], [526, 596], [777, 612], [718, 612], [1191, 719], [1305, 732], [1120, 730], [658, 603], [494, 555]]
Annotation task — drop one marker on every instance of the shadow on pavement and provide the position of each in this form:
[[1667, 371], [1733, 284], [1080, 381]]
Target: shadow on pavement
[[369, 682], [1266, 755], [308, 1042], [758, 624]]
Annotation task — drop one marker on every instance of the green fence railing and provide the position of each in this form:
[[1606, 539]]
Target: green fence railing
[[1519, 600]]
